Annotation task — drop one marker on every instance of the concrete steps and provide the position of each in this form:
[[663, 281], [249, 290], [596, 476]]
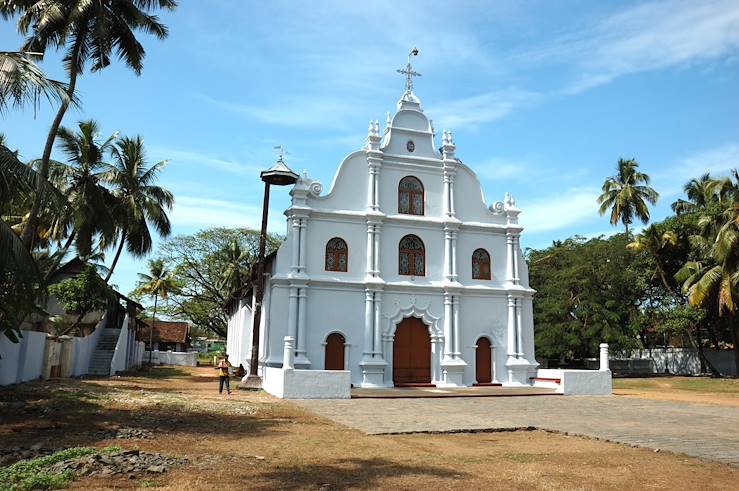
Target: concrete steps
[[103, 354]]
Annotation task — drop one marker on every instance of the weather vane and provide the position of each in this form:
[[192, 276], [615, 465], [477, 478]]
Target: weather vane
[[409, 72], [282, 152]]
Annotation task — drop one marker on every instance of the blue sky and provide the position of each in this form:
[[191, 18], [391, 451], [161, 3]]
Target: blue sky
[[543, 98]]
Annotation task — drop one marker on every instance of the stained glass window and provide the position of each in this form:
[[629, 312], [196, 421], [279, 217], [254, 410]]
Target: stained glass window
[[480, 265], [337, 255], [412, 256], [410, 196]]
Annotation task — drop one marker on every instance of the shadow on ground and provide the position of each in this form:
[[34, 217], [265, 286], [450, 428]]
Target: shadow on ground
[[350, 474]]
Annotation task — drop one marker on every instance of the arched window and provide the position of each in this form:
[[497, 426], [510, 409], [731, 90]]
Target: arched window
[[337, 255], [410, 196], [480, 265], [412, 257]]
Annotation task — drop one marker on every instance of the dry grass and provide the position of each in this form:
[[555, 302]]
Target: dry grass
[[254, 441], [705, 390]]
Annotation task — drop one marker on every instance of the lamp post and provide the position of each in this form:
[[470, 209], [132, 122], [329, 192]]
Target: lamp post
[[279, 175]]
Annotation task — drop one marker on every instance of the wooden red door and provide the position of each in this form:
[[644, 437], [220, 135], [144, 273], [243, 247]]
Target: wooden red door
[[412, 353], [335, 352], [483, 362]]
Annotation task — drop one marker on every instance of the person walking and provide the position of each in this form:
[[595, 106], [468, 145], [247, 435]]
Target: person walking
[[224, 375]]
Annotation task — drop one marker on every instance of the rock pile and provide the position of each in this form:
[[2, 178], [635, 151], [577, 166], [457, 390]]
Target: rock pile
[[124, 434], [129, 462]]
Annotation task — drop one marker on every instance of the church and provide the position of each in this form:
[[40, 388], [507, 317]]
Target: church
[[401, 273]]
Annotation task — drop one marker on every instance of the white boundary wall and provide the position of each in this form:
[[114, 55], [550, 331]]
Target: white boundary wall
[[83, 349], [186, 359], [22, 361], [118, 362], [577, 382], [307, 384], [685, 361]]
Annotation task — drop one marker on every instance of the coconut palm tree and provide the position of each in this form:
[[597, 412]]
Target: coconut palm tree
[[235, 272], [159, 283], [81, 179], [89, 33], [139, 203], [626, 194], [654, 243], [22, 82], [701, 192]]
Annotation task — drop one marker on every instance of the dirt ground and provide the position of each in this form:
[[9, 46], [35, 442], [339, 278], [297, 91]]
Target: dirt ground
[[254, 441], [703, 390]]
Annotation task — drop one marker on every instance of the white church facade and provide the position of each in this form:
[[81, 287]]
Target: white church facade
[[400, 273]]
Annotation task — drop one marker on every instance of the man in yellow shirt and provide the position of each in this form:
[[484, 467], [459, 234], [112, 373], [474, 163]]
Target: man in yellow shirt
[[223, 374]]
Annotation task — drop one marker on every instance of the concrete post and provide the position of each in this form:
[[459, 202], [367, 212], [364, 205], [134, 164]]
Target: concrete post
[[288, 356], [604, 356]]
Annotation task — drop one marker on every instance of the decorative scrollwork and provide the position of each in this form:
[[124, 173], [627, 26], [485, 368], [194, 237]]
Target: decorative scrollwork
[[316, 188], [497, 207]]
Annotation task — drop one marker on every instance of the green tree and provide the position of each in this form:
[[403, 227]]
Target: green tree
[[626, 195], [22, 82], [158, 283], [588, 292], [82, 294], [138, 201], [701, 192], [200, 262], [89, 33], [81, 180]]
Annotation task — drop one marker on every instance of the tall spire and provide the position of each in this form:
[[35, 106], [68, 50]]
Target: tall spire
[[409, 72]]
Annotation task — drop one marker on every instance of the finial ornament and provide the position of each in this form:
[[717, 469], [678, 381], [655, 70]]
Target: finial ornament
[[409, 72], [281, 152]]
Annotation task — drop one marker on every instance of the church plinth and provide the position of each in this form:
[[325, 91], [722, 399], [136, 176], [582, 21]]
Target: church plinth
[[373, 373], [452, 371]]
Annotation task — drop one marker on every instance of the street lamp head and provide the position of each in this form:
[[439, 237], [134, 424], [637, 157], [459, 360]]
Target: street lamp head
[[279, 175]]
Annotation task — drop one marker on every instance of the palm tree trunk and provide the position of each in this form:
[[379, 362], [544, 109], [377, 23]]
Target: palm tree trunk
[[117, 255], [29, 231], [734, 327], [151, 329], [60, 254]]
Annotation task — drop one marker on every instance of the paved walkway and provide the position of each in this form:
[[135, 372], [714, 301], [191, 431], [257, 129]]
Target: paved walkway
[[699, 430]]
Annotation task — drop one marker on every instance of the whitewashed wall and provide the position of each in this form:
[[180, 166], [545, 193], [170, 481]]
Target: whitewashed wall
[[189, 359], [685, 361], [22, 361], [84, 347], [118, 362]]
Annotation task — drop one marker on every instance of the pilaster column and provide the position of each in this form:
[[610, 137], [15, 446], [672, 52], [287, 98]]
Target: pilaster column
[[295, 239], [511, 327], [510, 274], [376, 251], [302, 315], [454, 255], [448, 326], [378, 325], [303, 242], [368, 323], [519, 323], [448, 254], [516, 248], [455, 308], [292, 313], [370, 249]]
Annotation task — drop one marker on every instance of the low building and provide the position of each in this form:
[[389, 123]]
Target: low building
[[167, 336]]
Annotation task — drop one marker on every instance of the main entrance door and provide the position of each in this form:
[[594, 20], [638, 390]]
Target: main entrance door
[[483, 362], [412, 353], [335, 352]]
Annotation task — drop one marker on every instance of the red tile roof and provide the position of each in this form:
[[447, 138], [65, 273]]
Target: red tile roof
[[167, 332]]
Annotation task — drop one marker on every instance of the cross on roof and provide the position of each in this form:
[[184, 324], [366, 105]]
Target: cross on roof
[[282, 152], [409, 72]]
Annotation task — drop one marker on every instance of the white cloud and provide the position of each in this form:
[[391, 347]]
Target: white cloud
[[192, 211], [497, 168], [480, 109], [646, 37], [559, 210], [718, 160], [177, 155]]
